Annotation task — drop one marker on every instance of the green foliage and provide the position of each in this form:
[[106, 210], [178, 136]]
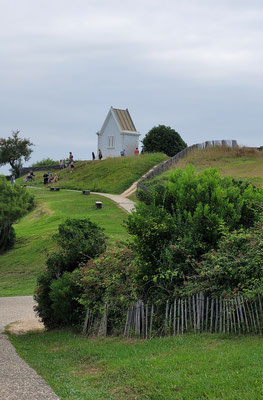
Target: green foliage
[[108, 279], [64, 292], [14, 203], [14, 150], [45, 162], [79, 241], [163, 139], [185, 219], [236, 266]]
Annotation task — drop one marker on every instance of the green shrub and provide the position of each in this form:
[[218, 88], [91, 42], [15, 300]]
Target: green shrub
[[64, 294], [235, 267], [185, 219], [109, 279], [79, 240], [46, 162], [15, 202]]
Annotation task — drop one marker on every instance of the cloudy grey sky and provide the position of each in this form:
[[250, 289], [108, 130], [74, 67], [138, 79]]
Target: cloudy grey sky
[[195, 65]]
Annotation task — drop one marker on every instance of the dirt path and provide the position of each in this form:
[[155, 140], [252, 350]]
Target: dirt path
[[17, 380]]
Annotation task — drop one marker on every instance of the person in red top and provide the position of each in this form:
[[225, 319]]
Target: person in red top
[[136, 151]]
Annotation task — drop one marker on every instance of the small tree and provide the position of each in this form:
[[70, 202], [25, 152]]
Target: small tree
[[14, 203], [163, 139], [79, 240], [13, 150]]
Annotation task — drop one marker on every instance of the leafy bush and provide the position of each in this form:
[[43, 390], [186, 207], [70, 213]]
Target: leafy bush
[[236, 266], [15, 202], [185, 219], [79, 240], [46, 162], [109, 279], [163, 139]]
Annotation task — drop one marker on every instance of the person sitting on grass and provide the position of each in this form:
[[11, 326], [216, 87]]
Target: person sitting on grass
[[55, 178], [30, 176], [50, 178]]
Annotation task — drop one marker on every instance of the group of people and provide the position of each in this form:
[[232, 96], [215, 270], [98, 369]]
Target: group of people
[[49, 178], [122, 153], [69, 162]]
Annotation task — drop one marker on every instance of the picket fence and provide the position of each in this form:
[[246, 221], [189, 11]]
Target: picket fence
[[196, 313]]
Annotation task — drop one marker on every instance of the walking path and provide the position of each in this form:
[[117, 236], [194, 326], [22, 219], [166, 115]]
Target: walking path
[[18, 381], [123, 202]]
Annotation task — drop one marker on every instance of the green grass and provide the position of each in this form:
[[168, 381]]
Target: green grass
[[20, 265], [185, 367], [243, 163], [113, 175]]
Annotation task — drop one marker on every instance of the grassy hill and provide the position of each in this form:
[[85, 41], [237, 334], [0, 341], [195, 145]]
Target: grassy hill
[[244, 163], [20, 265], [113, 175]]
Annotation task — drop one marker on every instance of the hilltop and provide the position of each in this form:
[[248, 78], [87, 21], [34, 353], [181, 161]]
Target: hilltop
[[241, 163], [112, 175]]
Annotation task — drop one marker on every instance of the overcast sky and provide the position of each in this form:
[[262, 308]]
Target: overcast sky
[[195, 65]]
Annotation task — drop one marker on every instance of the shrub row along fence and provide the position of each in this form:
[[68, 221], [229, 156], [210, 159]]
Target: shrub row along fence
[[168, 163], [196, 313]]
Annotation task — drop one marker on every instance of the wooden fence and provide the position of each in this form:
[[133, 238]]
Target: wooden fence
[[196, 313]]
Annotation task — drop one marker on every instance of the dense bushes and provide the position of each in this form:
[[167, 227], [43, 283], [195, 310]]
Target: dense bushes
[[195, 232], [45, 162], [184, 220], [109, 279], [236, 266], [14, 203], [56, 293]]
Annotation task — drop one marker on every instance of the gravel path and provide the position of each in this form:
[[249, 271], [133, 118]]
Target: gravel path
[[17, 380]]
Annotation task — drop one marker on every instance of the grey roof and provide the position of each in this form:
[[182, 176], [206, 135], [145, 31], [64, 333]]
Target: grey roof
[[124, 119]]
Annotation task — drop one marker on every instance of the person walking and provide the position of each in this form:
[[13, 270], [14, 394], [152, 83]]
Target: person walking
[[13, 179], [93, 156], [136, 151], [100, 154]]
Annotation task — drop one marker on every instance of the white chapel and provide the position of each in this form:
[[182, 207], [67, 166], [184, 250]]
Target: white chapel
[[118, 133]]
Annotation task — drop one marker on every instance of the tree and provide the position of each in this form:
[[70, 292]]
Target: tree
[[14, 203], [13, 150], [163, 139]]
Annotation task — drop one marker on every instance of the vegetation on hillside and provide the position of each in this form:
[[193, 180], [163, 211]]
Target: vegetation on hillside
[[14, 203], [241, 163], [20, 265], [172, 232], [45, 162], [113, 175]]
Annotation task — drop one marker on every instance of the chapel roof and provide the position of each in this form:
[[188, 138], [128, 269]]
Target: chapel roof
[[124, 119]]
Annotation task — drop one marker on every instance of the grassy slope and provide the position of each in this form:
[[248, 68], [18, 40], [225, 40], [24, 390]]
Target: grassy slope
[[113, 175], [19, 266], [241, 163], [200, 366]]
